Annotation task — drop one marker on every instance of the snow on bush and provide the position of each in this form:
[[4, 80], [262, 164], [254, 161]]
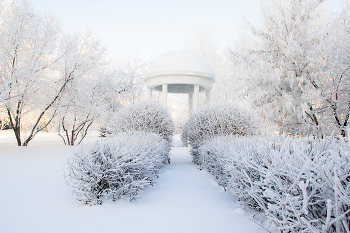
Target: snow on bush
[[144, 116], [220, 154], [302, 186], [116, 167], [215, 121]]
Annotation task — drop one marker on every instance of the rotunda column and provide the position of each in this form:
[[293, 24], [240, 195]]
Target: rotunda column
[[190, 104], [149, 93], [165, 94], [208, 96], [195, 97]]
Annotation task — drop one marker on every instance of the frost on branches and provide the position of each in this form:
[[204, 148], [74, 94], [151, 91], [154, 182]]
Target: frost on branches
[[336, 66], [210, 122], [281, 62], [144, 116], [116, 167], [301, 185], [29, 54], [47, 78], [81, 102]]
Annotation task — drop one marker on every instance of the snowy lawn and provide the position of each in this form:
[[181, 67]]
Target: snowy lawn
[[35, 198]]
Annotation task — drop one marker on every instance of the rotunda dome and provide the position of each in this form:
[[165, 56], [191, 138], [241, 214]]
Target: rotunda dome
[[181, 70], [180, 62]]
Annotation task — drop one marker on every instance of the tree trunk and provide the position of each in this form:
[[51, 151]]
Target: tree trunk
[[16, 127], [17, 131]]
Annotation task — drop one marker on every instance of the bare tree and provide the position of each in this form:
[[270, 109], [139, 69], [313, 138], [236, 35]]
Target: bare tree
[[81, 102], [129, 72], [203, 41], [279, 61], [29, 88], [335, 90]]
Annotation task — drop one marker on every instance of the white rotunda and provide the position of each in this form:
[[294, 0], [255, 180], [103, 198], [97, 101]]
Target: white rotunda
[[180, 72]]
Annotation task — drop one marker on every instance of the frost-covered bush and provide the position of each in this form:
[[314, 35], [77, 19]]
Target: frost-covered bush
[[221, 155], [302, 186], [116, 167], [144, 116], [216, 121]]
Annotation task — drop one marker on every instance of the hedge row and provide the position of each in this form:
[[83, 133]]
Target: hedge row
[[136, 144], [300, 185], [218, 120], [145, 116], [117, 167]]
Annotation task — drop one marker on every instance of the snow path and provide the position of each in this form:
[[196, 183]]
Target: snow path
[[34, 198], [188, 200]]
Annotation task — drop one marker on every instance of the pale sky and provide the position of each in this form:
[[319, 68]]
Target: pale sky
[[151, 27]]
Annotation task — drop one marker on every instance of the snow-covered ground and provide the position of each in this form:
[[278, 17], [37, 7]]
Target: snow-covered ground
[[35, 198]]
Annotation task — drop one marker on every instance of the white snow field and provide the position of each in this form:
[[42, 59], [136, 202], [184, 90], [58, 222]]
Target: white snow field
[[34, 197]]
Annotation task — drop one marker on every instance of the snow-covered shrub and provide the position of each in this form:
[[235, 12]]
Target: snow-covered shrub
[[144, 116], [225, 157], [302, 186], [115, 167], [216, 121], [307, 186]]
